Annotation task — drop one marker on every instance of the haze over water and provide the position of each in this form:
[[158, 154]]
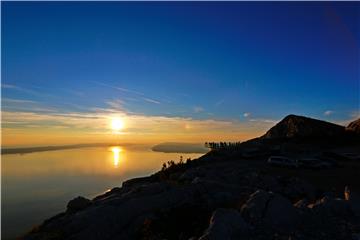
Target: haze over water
[[36, 186]]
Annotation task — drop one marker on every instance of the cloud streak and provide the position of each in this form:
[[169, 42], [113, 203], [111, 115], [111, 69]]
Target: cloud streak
[[99, 122], [139, 95], [151, 100]]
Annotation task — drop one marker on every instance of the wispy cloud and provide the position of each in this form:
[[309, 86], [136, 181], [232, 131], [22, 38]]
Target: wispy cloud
[[262, 120], [8, 86], [14, 87], [355, 114], [26, 90], [139, 95], [12, 104], [12, 100], [20, 127], [100, 120], [247, 114], [22, 115], [352, 116], [119, 88], [218, 103], [116, 104], [75, 92], [328, 112], [151, 100], [198, 109]]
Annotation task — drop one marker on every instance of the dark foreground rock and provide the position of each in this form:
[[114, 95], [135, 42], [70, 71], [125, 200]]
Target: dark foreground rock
[[234, 203], [272, 211], [78, 204], [226, 224]]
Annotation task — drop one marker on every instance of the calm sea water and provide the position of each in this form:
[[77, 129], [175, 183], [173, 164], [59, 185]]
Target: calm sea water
[[36, 186]]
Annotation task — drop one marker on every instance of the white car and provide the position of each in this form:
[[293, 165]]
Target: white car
[[282, 161]]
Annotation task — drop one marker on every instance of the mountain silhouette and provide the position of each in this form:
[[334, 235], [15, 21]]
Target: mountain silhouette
[[293, 126]]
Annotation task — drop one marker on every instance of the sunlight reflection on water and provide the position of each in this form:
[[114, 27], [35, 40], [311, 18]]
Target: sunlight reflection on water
[[116, 155], [37, 185]]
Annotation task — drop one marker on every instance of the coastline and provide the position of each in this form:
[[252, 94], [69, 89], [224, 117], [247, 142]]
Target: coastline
[[232, 192], [196, 192]]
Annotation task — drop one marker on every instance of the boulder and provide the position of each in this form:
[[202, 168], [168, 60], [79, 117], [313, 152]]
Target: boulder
[[281, 215], [136, 182], [253, 209], [78, 204], [297, 189], [226, 224], [337, 207], [354, 202], [270, 210]]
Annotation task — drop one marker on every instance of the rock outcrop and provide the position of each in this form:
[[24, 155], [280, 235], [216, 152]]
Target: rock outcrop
[[226, 224], [293, 126], [354, 126], [270, 210], [236, 201], [78, 204]]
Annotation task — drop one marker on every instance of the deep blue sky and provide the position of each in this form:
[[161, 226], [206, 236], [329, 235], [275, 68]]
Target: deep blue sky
[[200, 60]]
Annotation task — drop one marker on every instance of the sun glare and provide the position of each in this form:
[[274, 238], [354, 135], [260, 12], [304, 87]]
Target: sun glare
[[117, 124]]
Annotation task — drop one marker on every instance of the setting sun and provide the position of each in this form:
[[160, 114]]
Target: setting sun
[[117, 124]]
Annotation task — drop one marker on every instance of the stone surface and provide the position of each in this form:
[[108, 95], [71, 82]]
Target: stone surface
[[78, 204], [354, 126], [270, 210], [226, 224]]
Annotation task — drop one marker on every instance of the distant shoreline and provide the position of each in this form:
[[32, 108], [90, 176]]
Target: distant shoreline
[[162, 147], [25, 150], [172, 147]]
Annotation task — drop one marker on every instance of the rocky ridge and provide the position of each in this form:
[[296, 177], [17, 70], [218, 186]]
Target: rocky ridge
[[293, 126], [212, 199], [354, 126]]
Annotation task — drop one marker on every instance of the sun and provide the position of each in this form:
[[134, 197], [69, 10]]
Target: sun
[[117, 124]]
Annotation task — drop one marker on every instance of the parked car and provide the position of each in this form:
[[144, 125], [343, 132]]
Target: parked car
[[336, 156], [313, 163], [332, 162], [352, 156], [282, 161]]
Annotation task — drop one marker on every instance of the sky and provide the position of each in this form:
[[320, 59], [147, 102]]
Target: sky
[[174, 71]]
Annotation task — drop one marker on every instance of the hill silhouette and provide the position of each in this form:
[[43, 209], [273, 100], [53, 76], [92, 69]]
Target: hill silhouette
[[293, 126]]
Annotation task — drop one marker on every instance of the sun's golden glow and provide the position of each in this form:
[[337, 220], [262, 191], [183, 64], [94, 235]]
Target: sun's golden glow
[[117, 124], [116, 155]]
